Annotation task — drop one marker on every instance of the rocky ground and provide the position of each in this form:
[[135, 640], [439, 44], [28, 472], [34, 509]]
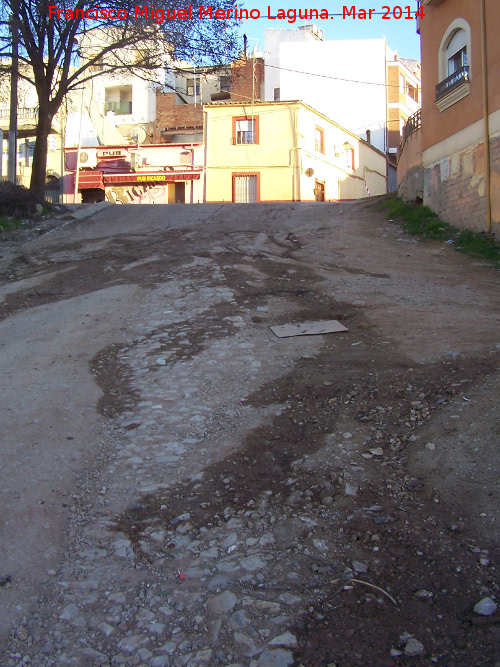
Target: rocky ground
[[182, 488]]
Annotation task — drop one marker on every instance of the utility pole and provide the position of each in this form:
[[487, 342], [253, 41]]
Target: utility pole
[[78, 150], [12, 156], [486, 119]]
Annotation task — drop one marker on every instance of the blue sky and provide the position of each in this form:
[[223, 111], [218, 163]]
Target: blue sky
[[400, 34]]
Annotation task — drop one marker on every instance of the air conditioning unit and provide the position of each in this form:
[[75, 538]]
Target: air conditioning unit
[[88, 158]]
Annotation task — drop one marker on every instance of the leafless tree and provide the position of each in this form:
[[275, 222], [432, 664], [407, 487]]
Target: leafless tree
[[58, 51]]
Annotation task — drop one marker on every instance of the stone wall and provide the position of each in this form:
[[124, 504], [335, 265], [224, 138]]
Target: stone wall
[[455, 187], [495, 183], [410, 169]]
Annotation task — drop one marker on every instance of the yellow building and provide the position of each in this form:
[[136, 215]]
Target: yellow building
[[285, 151]]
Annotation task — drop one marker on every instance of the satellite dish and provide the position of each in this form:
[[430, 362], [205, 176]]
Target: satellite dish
[[310, 172], [138, 135]]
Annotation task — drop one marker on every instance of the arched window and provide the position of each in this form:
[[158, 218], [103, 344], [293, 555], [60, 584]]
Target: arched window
[[455, 59], [456, 52], [455, 48]]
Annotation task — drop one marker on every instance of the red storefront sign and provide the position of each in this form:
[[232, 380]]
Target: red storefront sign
[[96, 179]]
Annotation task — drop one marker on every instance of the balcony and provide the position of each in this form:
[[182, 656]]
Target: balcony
[[120, 108], [453, 88], [118, 99], [22, 113], [413, 124], [454, 80], [27, 119], [425, 3]]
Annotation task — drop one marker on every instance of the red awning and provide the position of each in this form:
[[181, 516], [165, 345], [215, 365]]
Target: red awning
[[158, 177], [97, 179], [90, 179]]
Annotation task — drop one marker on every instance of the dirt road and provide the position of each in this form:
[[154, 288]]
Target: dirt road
[[181, 487]]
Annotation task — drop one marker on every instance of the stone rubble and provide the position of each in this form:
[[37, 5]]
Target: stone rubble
[[184, 551]]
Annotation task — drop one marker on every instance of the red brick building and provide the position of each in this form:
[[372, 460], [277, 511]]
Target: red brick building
[[179, 108], [451, 158]]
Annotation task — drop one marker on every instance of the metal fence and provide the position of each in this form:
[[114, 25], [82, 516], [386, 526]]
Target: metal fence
[[22, 112], [413, 124], [454, 80], [53, 196]]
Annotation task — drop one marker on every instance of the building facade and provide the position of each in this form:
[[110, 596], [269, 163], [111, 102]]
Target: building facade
[[334, 76], [460, 125], [338, 77], [27, 119], [403, 101], [116, 107], [131, 129], [255, 152], [286, 151], [179, 105], [144, 174]]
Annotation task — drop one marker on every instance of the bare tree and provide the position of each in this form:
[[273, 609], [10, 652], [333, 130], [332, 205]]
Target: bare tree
[[25, 89], [58, 49]]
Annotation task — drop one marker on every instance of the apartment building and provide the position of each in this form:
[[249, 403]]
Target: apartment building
[[180, 103], [363, 84], [27, 119], [459, 139], [116, 107], [403, 101]]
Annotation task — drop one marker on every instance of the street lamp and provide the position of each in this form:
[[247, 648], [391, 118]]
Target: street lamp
[[347, 147]]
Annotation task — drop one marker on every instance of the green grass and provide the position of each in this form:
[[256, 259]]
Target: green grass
[[8, 224], [423, 222]]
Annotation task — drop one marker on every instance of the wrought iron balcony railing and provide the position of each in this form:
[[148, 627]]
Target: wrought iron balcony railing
[[21, 112], [456, 79], [413, 124]]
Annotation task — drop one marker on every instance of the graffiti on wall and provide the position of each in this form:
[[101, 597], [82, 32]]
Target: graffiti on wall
[[137, 193]]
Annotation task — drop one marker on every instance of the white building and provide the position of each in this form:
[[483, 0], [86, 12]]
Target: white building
[[344, 79], [117, 106], [275, 38], [198, 84]]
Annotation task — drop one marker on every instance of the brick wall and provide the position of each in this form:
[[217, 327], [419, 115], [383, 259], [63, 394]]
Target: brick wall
[[455, 187], [394, 127], [393, 83], [170, 115], [243, 73]]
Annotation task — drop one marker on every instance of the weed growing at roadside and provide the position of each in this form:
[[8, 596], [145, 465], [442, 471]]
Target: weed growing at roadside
[[423, 222], [8, 224]]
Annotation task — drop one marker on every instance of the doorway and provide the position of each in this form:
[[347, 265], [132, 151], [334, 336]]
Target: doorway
[[180, 193], [176, 192], [319, 191]]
